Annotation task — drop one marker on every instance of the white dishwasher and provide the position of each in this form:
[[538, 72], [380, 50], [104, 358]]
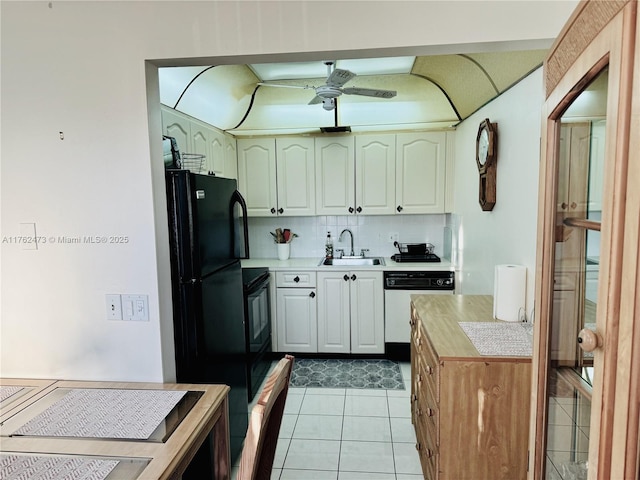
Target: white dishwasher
[[398, 288]]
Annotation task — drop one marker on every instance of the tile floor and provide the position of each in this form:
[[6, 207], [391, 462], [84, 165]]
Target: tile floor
[[347, 434]]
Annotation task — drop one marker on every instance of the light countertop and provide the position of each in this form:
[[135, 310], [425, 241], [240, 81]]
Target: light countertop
[[311, 263]]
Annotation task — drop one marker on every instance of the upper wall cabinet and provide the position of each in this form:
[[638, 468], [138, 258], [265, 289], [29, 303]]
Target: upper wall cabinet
[[276, 176], [355, 177], [194, 136], [420, 172]]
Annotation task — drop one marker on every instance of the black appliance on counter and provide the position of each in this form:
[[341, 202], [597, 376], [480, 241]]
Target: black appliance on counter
[[257, 316], [207, 290], [414, 252]]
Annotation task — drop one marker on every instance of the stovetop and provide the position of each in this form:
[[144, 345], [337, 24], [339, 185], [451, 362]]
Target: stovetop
[[423, 257]]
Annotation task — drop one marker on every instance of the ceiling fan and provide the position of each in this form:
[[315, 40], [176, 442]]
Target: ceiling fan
[[332, 89]]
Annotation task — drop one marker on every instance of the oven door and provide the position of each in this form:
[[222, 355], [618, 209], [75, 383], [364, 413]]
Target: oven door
[[258, 321]]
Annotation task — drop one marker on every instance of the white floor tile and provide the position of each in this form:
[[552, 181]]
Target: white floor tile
[[290, 474], [375, 457], [293, 403], [365, 476], [281, 452], [399, 407], [320, 427], [366, 392], [326, 391], [373, 429], [366, 406], [313, 455], [406, 458], [404, 476], [296, 391], [406, 393], [402, 430], [323, 405], [287, 425]]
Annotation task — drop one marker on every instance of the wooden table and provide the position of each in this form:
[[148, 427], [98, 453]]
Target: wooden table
[[207, 420]]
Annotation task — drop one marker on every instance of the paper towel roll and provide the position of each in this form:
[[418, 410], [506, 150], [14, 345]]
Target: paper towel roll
[[509, 292]]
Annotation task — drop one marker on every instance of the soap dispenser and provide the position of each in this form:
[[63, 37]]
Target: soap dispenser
[[328, 248]]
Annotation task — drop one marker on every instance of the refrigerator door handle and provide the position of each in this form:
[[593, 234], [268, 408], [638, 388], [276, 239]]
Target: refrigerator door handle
[[239, 199]]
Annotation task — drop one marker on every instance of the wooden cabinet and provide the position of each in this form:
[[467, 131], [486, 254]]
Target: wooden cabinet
[[195, 136], [469, 411], [421, 172], [296, 317], [350, 312], [276, 176]]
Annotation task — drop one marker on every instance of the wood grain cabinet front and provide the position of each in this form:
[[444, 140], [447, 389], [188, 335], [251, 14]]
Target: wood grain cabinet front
[[463, 404]]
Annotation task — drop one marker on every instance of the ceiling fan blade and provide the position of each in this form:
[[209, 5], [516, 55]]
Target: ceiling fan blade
[[263, 84], [370, 92], [339, 77], [315, 100]]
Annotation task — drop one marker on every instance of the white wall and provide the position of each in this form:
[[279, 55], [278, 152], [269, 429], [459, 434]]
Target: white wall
[[79, 68], [507, 234]]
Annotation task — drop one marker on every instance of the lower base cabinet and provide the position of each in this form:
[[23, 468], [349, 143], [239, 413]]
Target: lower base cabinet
[[350, 312], [470, 411], [296, 324]]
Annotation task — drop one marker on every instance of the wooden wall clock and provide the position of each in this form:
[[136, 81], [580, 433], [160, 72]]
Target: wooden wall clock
[[486, 160]]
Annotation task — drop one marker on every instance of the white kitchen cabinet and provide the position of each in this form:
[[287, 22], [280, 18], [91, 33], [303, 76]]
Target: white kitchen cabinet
[[257, 175], [295, 168], [335, 171], [420, 172], [375, 176], [350, 312], [296, 312], [195, 136], [276, 176]]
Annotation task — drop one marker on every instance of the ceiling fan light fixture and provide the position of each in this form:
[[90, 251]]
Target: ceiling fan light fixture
[[329, 104]]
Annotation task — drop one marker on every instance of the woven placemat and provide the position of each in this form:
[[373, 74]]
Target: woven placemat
[[42, 467], [500, 338]]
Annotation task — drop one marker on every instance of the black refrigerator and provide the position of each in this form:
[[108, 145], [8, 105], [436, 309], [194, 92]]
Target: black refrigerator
[[206, 236]]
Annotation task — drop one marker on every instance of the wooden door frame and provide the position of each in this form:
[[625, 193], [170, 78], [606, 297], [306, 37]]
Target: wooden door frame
[[599, 33]]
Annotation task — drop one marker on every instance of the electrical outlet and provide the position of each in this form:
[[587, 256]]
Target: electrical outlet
[[114, 307], [393, 237]]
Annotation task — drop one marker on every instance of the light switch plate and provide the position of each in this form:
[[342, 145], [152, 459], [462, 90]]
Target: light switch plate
[[135, 308]]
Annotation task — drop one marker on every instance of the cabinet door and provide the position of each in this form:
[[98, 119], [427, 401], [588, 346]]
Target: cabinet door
[[333, 312], [297, 321], [216, 156], [420, 172], [375, 174], [296, 176], [367, 312], [230, 157], [257, 175], [335, 175], [200, 135], [176, 126]]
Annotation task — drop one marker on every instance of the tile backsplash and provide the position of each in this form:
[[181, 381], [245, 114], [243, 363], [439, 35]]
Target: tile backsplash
[[369, 231]]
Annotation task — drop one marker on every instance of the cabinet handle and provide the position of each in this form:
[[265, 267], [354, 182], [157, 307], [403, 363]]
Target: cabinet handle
[[419, 412], [563, 205], [588, 340], [414, 397], [429, 369], [418, 446], [281, 210], [419, 378], [430, 412], [350, 209], [353, 277], [573, 205], [312, 295], [296, 279], [359, 209], [428, 453], [273, 210], [399, 208], [346, 277]]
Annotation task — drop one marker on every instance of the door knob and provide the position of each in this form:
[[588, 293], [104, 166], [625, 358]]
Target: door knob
[[588, 340], [296, 279], [273, 210], [353, 277], [359, 209], [346, 277], [312, 294], [281, 210], [399, 208], [350, 209]]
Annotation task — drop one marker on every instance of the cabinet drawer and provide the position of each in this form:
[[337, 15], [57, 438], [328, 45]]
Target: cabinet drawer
[[296, 279], [429, 372], [427, 454]]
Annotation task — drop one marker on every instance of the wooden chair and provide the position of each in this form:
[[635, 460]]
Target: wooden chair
[[259, 448]]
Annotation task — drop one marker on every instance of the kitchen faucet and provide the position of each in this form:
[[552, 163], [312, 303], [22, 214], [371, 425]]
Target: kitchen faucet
[[352, 254]]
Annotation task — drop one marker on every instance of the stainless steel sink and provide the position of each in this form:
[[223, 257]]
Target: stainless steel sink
[[347, 262]]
